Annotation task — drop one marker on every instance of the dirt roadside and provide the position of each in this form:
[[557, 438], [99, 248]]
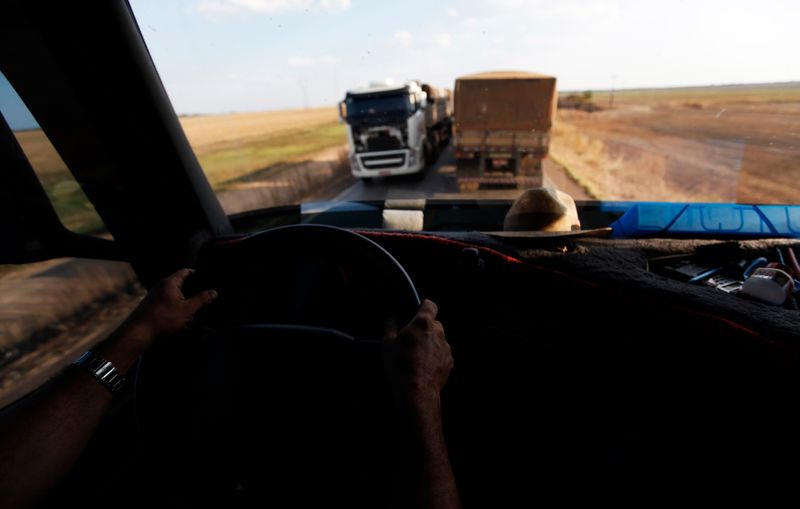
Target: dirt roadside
[[746, 153], [558, 175], [289, 183], [50, 312]]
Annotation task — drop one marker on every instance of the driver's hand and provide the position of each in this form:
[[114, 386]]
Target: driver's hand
[[165, 310], [418, 359]]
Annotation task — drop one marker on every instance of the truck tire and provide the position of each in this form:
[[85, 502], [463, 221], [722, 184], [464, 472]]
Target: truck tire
[[427, 154], [467, 173], [531, 170], [530, 166], [467, 167]]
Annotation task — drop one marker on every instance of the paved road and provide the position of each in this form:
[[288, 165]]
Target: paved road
[[440, 182]]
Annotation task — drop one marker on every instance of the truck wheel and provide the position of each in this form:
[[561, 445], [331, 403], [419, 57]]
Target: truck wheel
[[467, 173], [531, 169], [467, 167], [436, 151], [427, 154], [530, 166]]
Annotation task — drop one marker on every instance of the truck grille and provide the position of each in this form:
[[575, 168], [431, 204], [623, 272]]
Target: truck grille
[[379, 143], [383, 161]]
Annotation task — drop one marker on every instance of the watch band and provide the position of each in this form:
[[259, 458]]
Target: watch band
[[103, 371]]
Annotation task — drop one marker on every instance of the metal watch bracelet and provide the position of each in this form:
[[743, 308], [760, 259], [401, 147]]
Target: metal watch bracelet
[[102, 370]]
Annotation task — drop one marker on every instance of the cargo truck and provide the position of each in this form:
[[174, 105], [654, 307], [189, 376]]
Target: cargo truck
[[396, 129], [502, 128]]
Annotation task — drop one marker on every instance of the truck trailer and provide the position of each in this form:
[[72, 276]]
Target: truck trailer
[[502, 128], [396, 129]]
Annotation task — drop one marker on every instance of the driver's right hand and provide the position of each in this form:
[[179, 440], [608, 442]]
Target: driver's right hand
[[418, 358]]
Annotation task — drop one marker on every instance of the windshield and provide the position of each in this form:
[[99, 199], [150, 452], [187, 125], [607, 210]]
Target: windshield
[[380, 106], [615, 100]]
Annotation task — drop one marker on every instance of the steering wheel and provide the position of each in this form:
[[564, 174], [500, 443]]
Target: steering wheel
[[288, 372], [298, 278]]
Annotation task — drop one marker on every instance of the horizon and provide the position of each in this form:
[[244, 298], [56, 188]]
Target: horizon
[[572, 91], [21, 120]]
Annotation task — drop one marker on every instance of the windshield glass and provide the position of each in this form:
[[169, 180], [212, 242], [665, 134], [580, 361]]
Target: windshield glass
[[371, 106], [613, 100]]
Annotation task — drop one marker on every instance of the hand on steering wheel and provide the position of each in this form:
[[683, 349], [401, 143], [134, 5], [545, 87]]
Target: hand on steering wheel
[[418, 360], [165, 309]]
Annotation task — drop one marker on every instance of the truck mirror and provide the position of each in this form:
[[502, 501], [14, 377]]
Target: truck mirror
[[342, 113]]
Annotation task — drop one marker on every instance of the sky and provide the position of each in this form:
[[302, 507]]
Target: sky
[[217, 56], [12, 107]]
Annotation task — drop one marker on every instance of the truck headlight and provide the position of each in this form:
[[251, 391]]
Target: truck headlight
[[412, 157]]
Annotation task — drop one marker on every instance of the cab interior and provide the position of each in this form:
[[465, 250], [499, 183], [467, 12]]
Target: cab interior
[[579, 373]]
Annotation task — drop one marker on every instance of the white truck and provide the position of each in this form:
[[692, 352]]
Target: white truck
[[396, 129]]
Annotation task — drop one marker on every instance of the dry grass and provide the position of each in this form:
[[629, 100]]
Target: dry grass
[[227, 163], [721, 144], [705, 96], [69, 201], [209, 133], [288, 183], [610, 177], [231, 147], [43, 157], [228, 147]]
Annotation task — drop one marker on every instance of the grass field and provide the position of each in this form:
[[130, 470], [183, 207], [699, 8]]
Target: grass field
[[228, 147], [719, 144], [232, 146], [705, 96], [225, 163], [71, 204]]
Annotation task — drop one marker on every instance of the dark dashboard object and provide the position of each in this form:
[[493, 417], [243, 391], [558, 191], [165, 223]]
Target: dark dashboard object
[[451, 215]]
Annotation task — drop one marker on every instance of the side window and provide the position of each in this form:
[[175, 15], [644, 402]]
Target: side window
[[72, 206], [52, 311]]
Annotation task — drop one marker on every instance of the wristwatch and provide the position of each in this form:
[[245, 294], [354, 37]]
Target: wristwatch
[[102, 370]]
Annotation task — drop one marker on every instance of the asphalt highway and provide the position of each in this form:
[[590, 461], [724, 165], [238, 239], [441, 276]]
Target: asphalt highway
[[439, 181]]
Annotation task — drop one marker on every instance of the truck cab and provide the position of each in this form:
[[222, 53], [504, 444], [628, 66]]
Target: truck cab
[[590, 364], [386, 129]]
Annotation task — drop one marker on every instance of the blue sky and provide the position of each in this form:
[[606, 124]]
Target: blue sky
[[246, 55], [12, 108]]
